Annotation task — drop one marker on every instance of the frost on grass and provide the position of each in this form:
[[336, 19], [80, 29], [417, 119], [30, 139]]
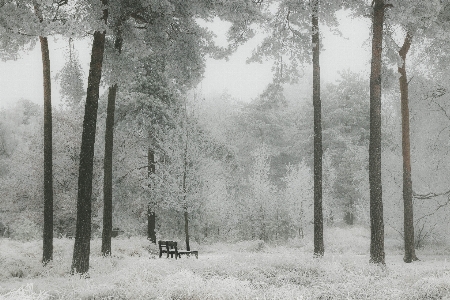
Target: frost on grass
[[242, 270], [25, 293]]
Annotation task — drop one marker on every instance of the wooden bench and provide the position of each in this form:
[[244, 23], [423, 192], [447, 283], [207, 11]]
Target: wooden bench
[[171, 248]]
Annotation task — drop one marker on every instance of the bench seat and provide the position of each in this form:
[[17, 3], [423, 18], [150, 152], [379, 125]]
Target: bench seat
[[187, 253]]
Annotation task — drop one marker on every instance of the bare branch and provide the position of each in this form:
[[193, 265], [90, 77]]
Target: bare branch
[[432, 213], [399, 232], [430, 195], [441, 108]]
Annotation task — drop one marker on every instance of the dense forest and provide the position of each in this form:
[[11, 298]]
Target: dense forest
[[138, 151]]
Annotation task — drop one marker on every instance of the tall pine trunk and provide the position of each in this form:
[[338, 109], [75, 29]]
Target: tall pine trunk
[[151, 215], [48, 143], [108, 161], [81, 251], [408, 215], [107, 172], [376, 202], [48, 162], [318, 215]]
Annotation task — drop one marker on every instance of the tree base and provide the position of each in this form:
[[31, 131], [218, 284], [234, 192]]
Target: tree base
[[410, 260]]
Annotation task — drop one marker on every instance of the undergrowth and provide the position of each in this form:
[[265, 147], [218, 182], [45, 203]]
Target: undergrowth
[[243, 270]]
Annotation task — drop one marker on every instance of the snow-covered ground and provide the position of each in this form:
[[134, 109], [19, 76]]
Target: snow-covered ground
[[242, 270]]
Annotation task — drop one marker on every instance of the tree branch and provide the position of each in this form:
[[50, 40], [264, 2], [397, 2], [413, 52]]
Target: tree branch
[[441, 108], [430, 195], [432, 213], [20, 33], [399, 232]]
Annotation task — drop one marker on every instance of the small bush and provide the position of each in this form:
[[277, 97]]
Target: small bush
[[25, 230], [17, 273]]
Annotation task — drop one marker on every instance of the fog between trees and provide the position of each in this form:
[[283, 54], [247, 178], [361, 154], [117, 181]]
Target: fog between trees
[[274, 169]]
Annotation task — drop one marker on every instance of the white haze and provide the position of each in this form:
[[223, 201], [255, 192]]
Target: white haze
[[22, 79]]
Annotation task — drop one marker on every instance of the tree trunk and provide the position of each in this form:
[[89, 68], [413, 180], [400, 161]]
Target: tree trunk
[[48, 162], [186, 218], [108, 161], [48, 143], [318, 215], [81, 251], [349, 215], [376, 202], [408, 226], [151, 215], [186, 229], [151, 224], [107, 172]]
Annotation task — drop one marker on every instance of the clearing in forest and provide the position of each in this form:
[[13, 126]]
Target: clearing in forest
[[242, 270]]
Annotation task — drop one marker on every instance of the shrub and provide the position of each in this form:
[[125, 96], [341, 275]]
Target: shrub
[[25, 230]]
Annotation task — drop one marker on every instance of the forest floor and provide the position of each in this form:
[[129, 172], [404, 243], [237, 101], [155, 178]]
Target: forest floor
[[243, 270]]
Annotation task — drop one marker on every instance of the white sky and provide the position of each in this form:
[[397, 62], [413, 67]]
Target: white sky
[[23, 78]]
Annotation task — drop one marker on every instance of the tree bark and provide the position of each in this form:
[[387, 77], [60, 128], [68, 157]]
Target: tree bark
[[48, 144], [151, 215], [107, 172], [108, 161], [408, 215], [186, 228], [81, 251], [318, 215], [186, 217], [48, 157], [376, 202]]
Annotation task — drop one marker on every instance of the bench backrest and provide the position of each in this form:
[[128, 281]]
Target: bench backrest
[[167, 245]]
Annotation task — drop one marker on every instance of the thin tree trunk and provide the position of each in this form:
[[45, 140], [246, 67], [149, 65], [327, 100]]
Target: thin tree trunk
[[318, 214], [186, 217], [108, 161], [151, 224], [81, 251], [107, 172], [408, 226], [186, 228], [376, 202], [151, 215], [349, 216], [48, 143]]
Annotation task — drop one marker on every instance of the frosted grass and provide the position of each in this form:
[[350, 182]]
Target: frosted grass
[[242, 270]]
